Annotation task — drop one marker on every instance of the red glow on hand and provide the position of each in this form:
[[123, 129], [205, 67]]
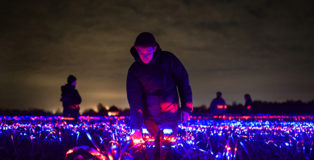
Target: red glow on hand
[[74, 106], [189, 105], [249, 107], [220, 106], [169, 107]]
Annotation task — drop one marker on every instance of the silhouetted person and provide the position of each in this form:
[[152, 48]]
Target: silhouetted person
[[153, 83], [218, 105], [248, 104], [70, 98]]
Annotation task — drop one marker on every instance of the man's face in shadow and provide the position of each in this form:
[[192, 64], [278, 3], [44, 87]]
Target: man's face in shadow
[[146, 53]]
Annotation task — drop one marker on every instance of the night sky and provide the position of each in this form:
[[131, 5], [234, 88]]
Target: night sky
[[261, 47]]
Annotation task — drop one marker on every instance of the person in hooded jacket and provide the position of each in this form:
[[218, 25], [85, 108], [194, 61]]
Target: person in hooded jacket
[[218, 105], [70, 98], [156, 81]]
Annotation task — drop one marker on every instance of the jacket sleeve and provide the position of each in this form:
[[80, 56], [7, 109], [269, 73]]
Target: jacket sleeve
[[62, 95], [213, 106], [65, 98], [183, 85], [136, 101]]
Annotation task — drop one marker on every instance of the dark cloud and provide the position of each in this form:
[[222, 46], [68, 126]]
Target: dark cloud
[[263, 47]]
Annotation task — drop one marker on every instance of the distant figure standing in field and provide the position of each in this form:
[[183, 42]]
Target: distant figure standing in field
[[70, 98], [248, 104], [218, 105]]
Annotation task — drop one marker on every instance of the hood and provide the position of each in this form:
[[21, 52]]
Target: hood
[[138, 59]]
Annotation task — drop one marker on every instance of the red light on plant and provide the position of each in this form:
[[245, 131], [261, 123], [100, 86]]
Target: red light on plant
[[67, 118], [70, 151], [138, 141], [228, 148]]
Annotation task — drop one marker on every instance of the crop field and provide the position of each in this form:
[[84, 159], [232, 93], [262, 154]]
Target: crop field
[[203, 137]]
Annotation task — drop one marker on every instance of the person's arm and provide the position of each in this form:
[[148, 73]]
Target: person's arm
[[183, 84], [64, 97], [212, 107], [136, 100]]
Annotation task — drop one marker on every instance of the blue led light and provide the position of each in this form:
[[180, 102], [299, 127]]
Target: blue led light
[[202, 136], [167, 131]]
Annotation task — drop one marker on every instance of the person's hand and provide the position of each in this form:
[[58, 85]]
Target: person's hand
[[136, 136], [64, 99], [75, 106], [185, 116]]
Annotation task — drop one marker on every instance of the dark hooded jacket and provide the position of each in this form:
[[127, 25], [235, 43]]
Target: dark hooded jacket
[[69, 96], [214, 106], [153, 89]]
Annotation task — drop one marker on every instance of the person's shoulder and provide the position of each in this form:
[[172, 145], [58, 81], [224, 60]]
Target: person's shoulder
[[169, 56], [133, 66], [66, 86], [63, 87]]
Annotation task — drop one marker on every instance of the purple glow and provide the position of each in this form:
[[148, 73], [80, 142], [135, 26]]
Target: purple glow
[[231, 137]]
